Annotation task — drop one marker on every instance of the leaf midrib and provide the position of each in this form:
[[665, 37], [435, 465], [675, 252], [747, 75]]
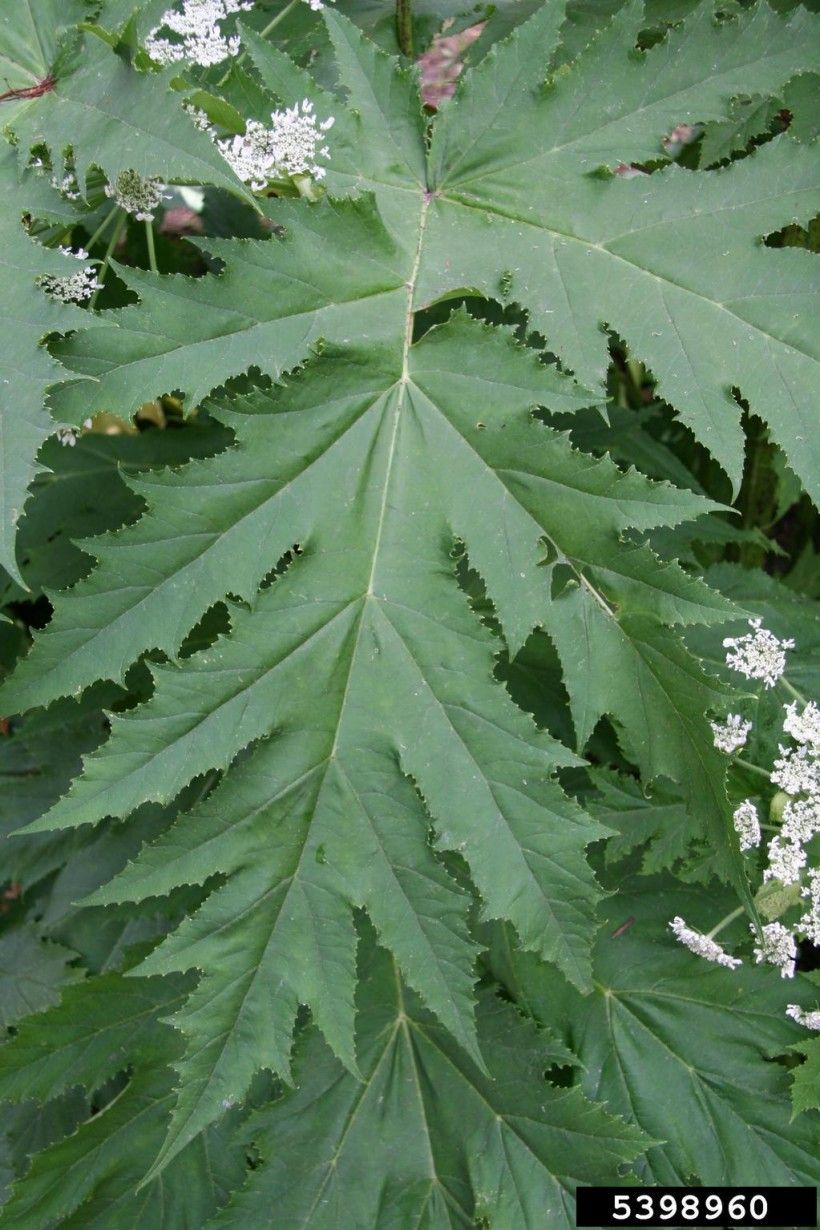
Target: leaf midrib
[[589, 244]]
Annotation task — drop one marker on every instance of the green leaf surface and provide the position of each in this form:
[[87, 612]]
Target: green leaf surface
[[661, 1018], [458, 1145], [88, 1179], [806, 1078], [98, 1027], [356, 623], [29, 45], [27, 314], [32, 973], [127, 120], [672, 262]]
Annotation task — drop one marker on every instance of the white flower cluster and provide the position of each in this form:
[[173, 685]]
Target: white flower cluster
[[797, 773], [758, 654], [198, 27], [74, 287], [730, 736], [136, 194], [804, 727], [68, 435], [67, 185], [778, 948], [786, 860], [747, 824], [316, 5], [702, 944], [810, 922], [199, 117], [811, 1020], [291, 146]]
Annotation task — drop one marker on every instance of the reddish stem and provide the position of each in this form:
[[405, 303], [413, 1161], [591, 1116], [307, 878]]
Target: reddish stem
[[31, 91]]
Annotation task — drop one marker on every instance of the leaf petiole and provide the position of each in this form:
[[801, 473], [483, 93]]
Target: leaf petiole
[[152, 251], [112, 243]]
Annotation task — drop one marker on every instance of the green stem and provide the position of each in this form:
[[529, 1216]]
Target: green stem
[[102, 227], [724, 922], [404, 26], [792, 690], [112, 243], [753, 768], [152, 251], [272, 24]]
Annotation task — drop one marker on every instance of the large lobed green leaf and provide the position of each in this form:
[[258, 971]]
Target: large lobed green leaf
[[367, 751], [425, 1138], [683, 1048]]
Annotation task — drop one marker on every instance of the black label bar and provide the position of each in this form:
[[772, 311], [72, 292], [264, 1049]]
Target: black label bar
[[696, 1206]]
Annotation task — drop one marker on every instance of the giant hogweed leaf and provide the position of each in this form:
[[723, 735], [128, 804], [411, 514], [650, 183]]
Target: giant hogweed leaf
[[262, 312], [400, 675], [29, 45], [116, 118], [87, 1179], [672, 262], [27, 314], [370, 469], [355, 464], [32, 972], [425, 1138], [98, 1027], [532, 483], [661, 1018]]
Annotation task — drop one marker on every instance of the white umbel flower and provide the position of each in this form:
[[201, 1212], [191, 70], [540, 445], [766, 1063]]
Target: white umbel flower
[[703, 945], [747, 824], [291, 146], [74, 287], [730, 736], [67, 186], [797, 771], [811, 1020], [759, 654], [197, 24], [805, 726], [786, 860], [778, 948], [136, 194], [810, 922], [801, 819]]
